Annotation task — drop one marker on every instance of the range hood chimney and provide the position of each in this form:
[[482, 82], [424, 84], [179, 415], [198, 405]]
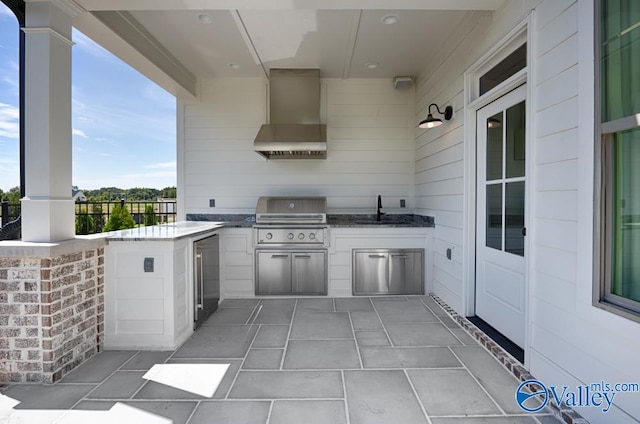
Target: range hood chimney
[[295, 131]]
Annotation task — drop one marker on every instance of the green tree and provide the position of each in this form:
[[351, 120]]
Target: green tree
[[84, 224], [98, 218], [12, 196], [150, 217], [119, 219], [169, 193]]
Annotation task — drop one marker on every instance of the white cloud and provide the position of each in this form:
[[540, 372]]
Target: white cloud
[[9, 121], [79, 133], [162, 165]]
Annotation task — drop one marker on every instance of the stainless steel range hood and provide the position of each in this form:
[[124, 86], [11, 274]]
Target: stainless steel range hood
[[295, 131]]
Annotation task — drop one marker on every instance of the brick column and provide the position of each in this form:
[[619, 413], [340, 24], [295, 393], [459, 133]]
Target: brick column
[[51, 314]]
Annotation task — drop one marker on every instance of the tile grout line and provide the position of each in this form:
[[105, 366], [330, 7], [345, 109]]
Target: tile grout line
[[244, 358], [286, 343], [477, 381], [355, 341], [346, 399], [101, 382], [198, 402], [415, 393], [271, 405], [442, 322], [384, 328]]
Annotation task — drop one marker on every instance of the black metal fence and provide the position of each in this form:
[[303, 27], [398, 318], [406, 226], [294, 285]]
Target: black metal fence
[[91, 217]]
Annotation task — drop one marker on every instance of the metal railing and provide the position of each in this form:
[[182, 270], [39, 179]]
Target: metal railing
[[91, 217]]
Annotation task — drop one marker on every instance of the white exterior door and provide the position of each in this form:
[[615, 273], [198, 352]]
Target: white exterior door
[[500, 215]]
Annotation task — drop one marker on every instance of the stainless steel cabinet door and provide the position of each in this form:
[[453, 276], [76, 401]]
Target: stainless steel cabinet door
[[273, 272], [309, 272], [371, 273], [405, 272]]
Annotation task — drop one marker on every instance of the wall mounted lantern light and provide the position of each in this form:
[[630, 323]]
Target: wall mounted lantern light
[[432, 122]]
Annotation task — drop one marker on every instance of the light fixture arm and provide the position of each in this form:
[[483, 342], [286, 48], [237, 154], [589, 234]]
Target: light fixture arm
[[448, 111]]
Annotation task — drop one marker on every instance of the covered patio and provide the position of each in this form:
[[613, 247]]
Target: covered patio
[[321, 361]]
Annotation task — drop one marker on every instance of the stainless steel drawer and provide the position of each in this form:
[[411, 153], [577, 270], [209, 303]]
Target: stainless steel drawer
[[388, 271]]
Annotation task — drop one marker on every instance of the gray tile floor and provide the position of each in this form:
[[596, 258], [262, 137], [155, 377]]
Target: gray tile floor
[[314, 361]]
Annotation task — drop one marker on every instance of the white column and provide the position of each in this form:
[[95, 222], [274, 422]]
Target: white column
[[47, 209]]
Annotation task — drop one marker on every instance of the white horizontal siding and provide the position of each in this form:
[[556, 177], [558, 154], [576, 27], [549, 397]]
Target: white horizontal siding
[[370, 149]]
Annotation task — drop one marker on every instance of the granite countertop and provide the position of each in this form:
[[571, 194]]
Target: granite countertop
[[355, 220], [165, 232], [404, 220]]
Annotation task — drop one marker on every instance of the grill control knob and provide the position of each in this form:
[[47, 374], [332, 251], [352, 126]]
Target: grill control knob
[[312, 236], [301, 236], [269, 236], [290, 236]]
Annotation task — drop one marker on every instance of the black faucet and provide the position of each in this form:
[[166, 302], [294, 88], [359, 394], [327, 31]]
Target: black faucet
[[379, 213]]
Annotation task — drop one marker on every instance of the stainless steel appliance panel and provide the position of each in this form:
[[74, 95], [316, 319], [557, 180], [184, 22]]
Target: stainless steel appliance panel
[[371, 272], [206, 273], [309, 272], [273, 272], [405, 272]]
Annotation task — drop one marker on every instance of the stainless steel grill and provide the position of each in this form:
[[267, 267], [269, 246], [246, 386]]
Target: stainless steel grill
[[291, 239]]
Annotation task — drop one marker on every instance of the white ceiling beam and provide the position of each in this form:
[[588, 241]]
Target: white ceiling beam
[[351, 43], [124, 37], [461, 5], [237, 18]]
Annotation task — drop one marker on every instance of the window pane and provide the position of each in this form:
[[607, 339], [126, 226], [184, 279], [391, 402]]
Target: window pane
[[504, 70], [620, 58], [494, 216], [494, 147], [514, 218], [625, 243], [515, 141]]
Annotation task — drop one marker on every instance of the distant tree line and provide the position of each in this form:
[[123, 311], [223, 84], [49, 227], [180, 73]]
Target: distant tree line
[[105, 194]]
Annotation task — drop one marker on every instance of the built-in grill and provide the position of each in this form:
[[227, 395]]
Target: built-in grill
[[291, 237]]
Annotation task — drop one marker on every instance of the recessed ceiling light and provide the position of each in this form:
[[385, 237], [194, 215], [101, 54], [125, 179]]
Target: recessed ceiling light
[[389, 19], [204, 18], [372, 65], [234, 66]]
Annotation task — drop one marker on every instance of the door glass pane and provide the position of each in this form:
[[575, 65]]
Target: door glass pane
[[515, 135], [514, 218], [505, 69], [494, 147], [625, 244], [620, 58], [494, 216]]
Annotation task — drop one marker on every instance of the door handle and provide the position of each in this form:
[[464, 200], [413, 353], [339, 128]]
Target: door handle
[[399, 256], [377, 256], [524, 231], [201, 305], [279, 256], [303, 256]]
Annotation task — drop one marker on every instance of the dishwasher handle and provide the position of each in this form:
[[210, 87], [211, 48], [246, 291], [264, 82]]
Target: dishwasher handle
[[201, 297]]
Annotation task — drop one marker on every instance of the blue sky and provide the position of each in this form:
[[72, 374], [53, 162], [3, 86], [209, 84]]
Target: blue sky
[[123, 124]]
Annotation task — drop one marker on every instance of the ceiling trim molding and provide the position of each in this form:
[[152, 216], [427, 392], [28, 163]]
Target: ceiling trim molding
[[50, 31], [351, 43], [244, 33], [69, 7]]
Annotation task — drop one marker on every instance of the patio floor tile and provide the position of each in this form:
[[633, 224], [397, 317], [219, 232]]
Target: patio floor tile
[[420, 334], [229, 316], [120, 385], [403, 311], [230, 412], [408, 357], [239, 303], [48, 397], [365, 321], [354, 305], [321, 326], [275, 311], [287, 385], [263, 359], [218, 341], [451, 392], [179, 412], [321, 354], [143, 361], [271, 336], [308, 412], [372, 338], [485, 420], [99, 367], [318, 305], [491, 375], [381, 397]]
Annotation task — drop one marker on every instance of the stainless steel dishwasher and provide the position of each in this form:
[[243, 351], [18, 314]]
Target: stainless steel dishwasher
[[206, 289]]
